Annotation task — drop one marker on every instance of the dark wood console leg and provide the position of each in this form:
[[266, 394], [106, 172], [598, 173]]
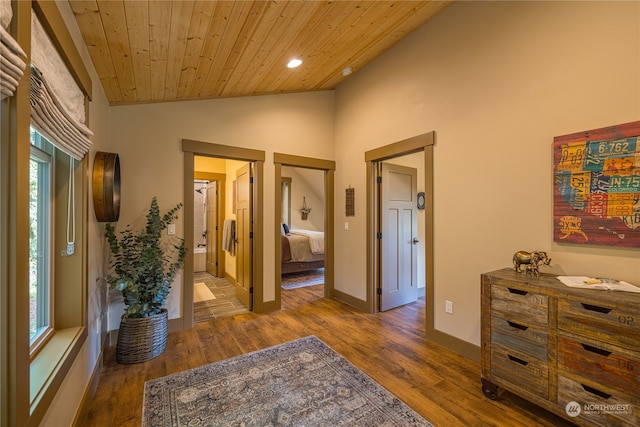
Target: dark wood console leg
[[489, 389]]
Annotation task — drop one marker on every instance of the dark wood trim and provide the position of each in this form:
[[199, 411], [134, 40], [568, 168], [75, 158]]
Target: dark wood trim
[[277, 250], [187, 271], [329, 233], [223, 151], [328, 166], [191, 149], [303, 162], [401, 148], [424, 143], [259, 304], [350, 300], [15, 357], [373, 268], [209, 176], [463, 348]]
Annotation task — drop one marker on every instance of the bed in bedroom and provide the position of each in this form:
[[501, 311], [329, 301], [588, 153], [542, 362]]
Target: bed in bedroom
[[302, 250]]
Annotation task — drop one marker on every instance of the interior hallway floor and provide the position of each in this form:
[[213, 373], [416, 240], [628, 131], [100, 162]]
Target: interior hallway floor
[[225, 302]]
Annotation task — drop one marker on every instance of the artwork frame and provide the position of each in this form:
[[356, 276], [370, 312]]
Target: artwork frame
[[596, 186]]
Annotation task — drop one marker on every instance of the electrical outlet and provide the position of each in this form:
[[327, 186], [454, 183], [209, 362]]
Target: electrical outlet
[[448, 306], [346, 226]]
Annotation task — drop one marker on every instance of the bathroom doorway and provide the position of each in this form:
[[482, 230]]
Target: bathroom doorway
[[232, 158], [209, 210]]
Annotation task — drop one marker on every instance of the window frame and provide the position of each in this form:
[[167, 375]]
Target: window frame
[[31, 385], [43, 152]]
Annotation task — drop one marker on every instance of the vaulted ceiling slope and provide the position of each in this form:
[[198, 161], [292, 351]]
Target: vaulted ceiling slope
[[157, 51]]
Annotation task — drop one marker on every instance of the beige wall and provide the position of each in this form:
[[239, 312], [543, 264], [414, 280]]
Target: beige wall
[[148, 140], [496, 81], [307, 183]]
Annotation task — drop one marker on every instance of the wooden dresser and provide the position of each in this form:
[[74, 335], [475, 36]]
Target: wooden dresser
[[575, 352]]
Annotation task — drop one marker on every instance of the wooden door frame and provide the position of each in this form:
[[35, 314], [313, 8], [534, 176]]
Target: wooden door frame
[[191, 149], [421, 143], [244, 230], [329, 167]]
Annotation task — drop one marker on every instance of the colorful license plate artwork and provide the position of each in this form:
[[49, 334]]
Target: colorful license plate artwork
[[596, 191]]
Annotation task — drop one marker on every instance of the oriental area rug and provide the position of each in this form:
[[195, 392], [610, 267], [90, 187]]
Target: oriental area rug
[[299, 383]]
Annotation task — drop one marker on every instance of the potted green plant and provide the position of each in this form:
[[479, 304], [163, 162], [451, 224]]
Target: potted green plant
[[142, 267]]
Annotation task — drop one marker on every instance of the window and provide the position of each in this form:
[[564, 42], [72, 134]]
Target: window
[[40, 240]]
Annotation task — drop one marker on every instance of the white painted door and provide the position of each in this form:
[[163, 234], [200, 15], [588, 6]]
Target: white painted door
[[398, 234]]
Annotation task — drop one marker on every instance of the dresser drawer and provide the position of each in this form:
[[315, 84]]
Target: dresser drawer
[[595, 405], [519, 336], [521, 370], [612, 367], [601, 321], [513, 303]]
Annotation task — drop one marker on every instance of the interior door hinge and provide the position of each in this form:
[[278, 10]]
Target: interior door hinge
[[250, 180], [379, 291], [251, 290], [379, 235], [251, 234], [379, 180]]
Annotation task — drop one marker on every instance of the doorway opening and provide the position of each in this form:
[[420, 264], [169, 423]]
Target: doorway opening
[[304, 218], [416, 153], [232, 239], [302, 234], [214, 266]]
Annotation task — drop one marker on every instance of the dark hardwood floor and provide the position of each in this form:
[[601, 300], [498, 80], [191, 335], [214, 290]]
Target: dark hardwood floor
[[390, 347]]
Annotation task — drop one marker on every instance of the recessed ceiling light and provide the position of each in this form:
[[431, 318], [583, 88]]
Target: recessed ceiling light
[[294, 63]]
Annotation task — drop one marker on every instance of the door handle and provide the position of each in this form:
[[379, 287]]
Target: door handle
[[415, 241]]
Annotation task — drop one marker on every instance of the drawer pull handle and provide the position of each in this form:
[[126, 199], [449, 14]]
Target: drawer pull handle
[[596, 350], [596, 308], [517, 360], [518, 326], [597, 392], [517, 291]]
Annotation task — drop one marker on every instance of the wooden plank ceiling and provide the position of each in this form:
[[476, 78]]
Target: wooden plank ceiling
[[158, 51]]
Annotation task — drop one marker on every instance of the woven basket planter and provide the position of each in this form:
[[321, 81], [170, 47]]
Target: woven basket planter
[[142, 339]]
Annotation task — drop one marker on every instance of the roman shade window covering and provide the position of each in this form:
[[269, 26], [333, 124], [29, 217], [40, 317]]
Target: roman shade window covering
[[57, 103], [11, 63]]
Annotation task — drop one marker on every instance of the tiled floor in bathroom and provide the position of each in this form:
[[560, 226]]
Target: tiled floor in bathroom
[[225, 303]]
